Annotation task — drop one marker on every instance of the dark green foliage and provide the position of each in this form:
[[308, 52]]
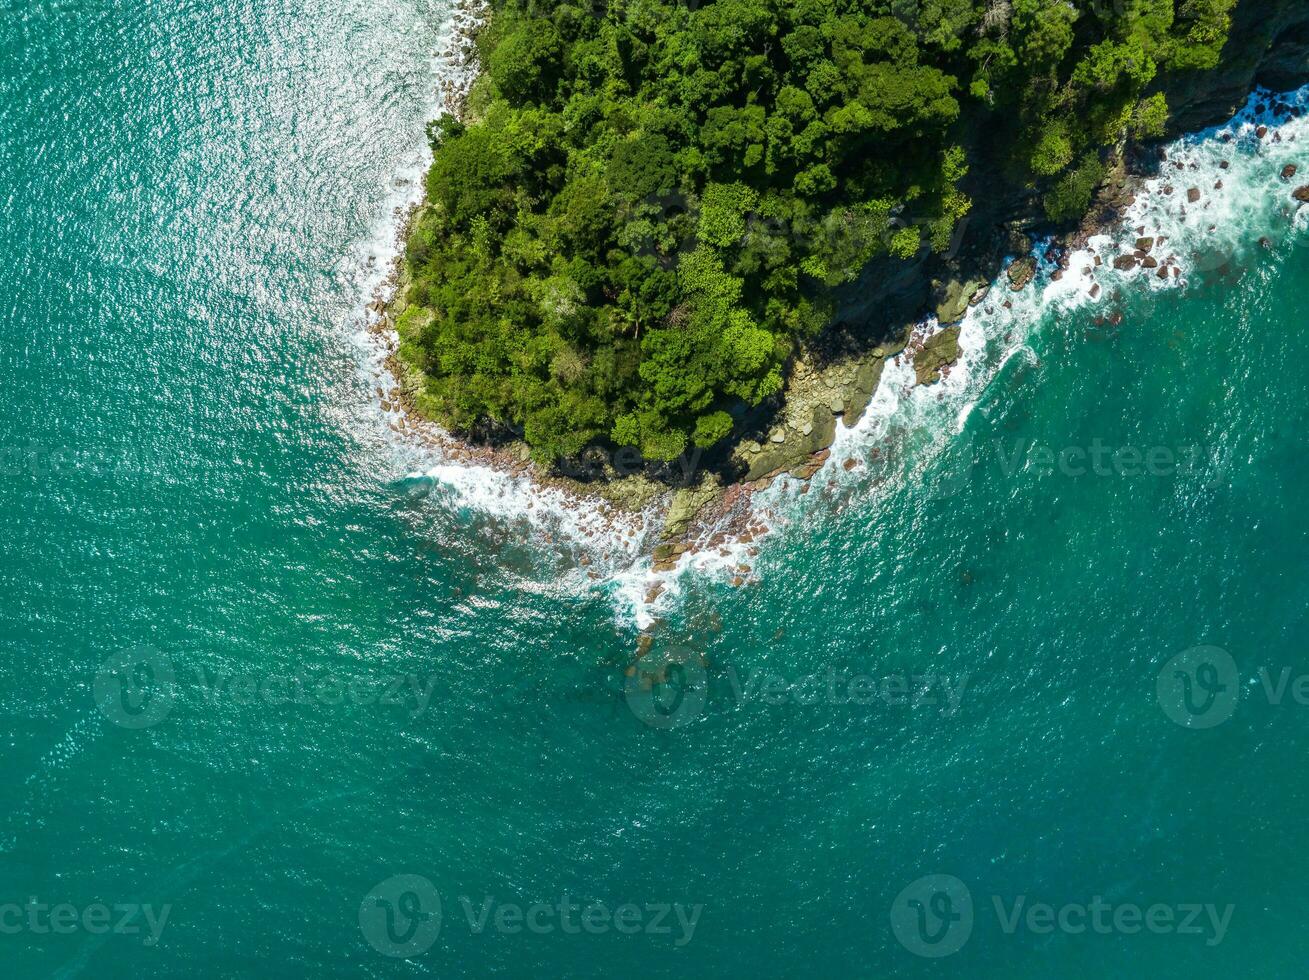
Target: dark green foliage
[[646, 213]]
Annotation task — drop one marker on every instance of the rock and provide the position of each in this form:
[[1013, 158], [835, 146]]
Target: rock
[[778, 436], [1095, 291], [954, 305], [1163, 272], [1218, 186], [1261, 132], [1021, 272], [685, 506], [1125, 263], [796, 448], [940, 350], [1057, 275], [1167, 190], [1193, 195], [1265, 242], [980, 295], [1144, 244], [806, 470], [1150, 262], [849, 464], [1301, 194], [1225, 165], [866, 378], [1288, 171]]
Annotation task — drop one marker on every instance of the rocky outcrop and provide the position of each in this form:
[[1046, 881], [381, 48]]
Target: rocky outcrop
[[687, 504], [939, 351], [956, 297], [1268, 45], [1022, 272], [816, 396]]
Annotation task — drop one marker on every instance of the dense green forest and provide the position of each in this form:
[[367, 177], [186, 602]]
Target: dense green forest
[[650, 198]]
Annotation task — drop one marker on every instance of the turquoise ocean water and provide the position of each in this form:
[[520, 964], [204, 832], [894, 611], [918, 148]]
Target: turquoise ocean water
[[389, 692]]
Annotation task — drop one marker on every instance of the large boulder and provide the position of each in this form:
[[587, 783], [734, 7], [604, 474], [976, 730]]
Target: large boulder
[[866, 378], [687, 504], [940, 350], [1021, 272], [796, 445], [955, 300]]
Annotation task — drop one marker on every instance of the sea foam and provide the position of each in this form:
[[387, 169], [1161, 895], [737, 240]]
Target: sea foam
[[906, 425]]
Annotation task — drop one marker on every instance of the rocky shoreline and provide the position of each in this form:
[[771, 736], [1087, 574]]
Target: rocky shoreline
[[710, 509]]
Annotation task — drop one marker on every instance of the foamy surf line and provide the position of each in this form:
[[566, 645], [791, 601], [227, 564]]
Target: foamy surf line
[[1238, 172], [490, 492], [371, 268], [1242, 197], [1220, 193]]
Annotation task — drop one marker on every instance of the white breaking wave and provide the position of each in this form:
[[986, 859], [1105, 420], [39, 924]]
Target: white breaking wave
[[905, 422]]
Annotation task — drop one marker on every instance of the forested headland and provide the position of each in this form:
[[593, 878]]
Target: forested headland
[[648, 203]]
